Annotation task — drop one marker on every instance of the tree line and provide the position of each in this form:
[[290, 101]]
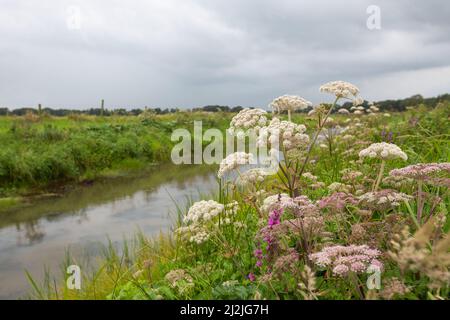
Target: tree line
[[384, 105]]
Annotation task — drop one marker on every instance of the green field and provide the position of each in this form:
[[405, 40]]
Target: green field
[[38, 153]]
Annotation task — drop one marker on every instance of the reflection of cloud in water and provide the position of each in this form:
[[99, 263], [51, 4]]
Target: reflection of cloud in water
[[29, 233], [83, 218]]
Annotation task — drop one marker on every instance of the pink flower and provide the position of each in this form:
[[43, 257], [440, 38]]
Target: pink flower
[[421, 171], [336, 201], [340, 270], [343, 259], [358, 267]]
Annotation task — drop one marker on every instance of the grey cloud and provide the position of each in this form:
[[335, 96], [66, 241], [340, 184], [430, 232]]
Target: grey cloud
[[196, 52]]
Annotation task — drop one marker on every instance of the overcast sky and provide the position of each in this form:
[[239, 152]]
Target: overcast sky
[[189, 53]]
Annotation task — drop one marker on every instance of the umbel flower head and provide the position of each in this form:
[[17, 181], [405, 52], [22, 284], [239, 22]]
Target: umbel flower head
[[289, 102], [341, 89], [233, 161], [203, 211], [277, 201], [421, 171], [251, 177], [383, 200], [343, 111], [384, 151], [248, 119], [345, 259], [288, 134]]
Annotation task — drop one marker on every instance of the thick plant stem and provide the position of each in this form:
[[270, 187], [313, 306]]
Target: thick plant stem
[[419, 202], [379, 177], [289, 115]]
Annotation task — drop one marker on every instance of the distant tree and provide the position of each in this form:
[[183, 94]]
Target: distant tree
[[236, 109]]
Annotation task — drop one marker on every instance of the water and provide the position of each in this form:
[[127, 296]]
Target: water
[[39, 234]]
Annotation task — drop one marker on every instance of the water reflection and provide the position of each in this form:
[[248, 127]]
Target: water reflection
[[29, 233], [39, 233]]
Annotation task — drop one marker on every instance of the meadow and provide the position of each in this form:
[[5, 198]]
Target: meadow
[[40, 153], [357, 210]]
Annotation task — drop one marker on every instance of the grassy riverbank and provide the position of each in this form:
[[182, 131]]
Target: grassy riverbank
[[244, 255], [39, 153]]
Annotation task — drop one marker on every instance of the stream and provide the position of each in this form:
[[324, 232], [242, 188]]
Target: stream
[[37, 236]]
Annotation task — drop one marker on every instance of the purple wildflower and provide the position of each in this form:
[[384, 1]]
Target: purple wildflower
[[274, 217]]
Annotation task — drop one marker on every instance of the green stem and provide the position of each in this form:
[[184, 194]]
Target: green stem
[[380, 175]]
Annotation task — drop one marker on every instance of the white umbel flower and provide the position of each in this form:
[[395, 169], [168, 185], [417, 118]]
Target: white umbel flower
[[343, 111], [383, 200], [248, 119], [252, 177], [233, 161], [277, 201], [289, 103], [203, 211], [341, 89], [286, 133], [384, 151], [199, 237]]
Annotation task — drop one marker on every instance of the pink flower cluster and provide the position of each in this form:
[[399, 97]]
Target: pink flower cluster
[[345, 259], [337, 201], [421, 171]]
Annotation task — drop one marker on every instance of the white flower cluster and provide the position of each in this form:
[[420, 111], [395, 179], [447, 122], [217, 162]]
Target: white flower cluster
[[230, 283], [194, 233], [231, 208], [310, 176], [384, 151], [233, 161], [199, 237], [339, 187], [373, 109], [203, 210], [290, 135], [248, 119], [251, 177], [277, 201], [340, 89], [180, 280], [343, 111], [358, 101], [397, 181], [358, 110], [199, 220], [288, 102], [313, 180], [383, 199]]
